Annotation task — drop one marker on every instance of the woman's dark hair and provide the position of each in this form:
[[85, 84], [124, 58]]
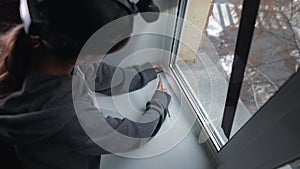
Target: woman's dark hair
[[15, 58]]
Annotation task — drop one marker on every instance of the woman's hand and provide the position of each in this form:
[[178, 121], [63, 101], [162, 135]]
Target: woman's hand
[[157, 67], [160, 87]]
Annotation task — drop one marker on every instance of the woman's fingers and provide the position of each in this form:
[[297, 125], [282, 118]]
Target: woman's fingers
[[157, 67], [160, 87]]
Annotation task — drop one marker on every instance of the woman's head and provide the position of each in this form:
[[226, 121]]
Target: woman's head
[[58, 29], [66, 26]]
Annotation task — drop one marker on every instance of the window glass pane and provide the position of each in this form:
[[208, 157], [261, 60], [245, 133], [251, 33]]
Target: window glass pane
[[205, 56], [273, 58]]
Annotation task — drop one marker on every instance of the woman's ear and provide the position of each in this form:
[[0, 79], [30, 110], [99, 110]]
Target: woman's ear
[[35, 41]]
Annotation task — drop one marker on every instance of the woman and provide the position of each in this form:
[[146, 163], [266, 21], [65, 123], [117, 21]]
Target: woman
[[47, 110]]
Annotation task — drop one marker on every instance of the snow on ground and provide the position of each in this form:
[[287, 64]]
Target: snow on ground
[[214, 28], [226, 63]]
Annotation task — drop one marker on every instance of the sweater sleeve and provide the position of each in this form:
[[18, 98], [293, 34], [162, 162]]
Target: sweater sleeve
[[110, 80], [93, 134]]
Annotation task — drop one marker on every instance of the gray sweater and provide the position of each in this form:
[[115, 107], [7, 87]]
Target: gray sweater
[[55, 124]]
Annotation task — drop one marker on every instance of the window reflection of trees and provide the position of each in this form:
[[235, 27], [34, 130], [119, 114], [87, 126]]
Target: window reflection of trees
[[275, 49]]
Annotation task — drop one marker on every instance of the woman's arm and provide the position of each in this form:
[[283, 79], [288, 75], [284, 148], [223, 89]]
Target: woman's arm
[[114, 134], [109, 80]]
